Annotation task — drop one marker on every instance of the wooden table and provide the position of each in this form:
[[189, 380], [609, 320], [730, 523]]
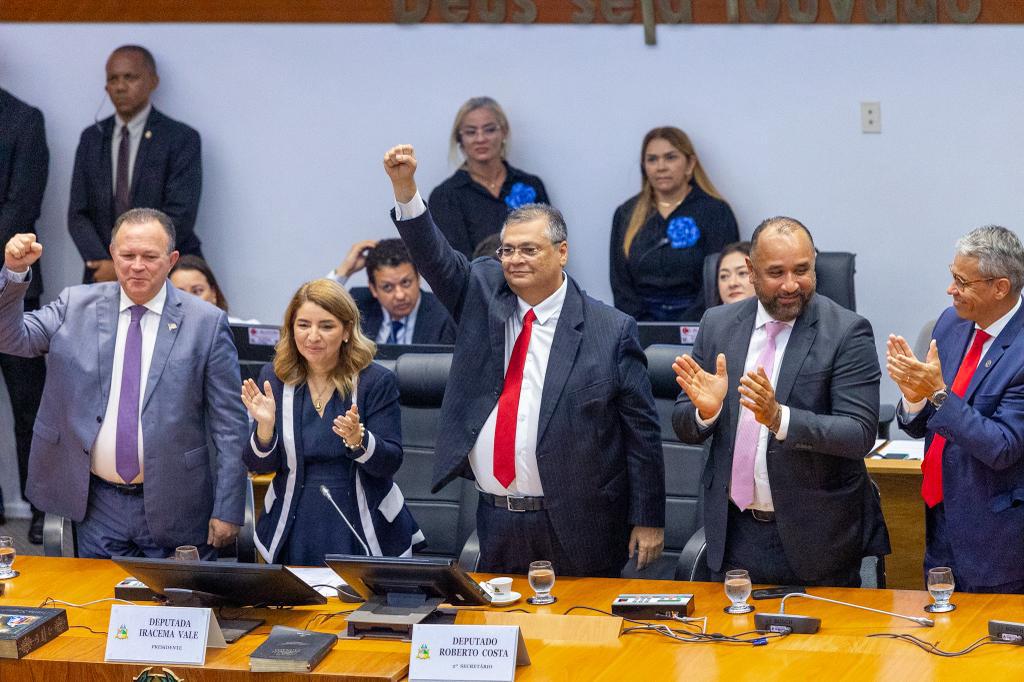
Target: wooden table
[[899, 482], [575, 647]]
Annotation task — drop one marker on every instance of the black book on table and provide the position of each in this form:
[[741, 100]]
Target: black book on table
[[290, 650], [24, 629]]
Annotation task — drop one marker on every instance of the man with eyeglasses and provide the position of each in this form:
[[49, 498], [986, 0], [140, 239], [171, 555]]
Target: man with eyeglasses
[[393, 309], [548, 406], [966, 398]]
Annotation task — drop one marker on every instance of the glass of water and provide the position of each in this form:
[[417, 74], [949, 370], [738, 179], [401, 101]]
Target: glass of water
[[542, 579], [737, 589], [187, 553], [940, 586], [7, 554]]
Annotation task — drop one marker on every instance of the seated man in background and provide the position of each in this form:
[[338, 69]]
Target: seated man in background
[[967, 400], [141, 382], [393, 309]]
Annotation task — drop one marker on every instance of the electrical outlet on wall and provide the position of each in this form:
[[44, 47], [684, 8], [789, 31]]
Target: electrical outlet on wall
[[871, 117]]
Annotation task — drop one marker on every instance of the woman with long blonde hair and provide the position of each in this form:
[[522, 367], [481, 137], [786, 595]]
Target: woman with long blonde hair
[[660, 236], [326, 418]]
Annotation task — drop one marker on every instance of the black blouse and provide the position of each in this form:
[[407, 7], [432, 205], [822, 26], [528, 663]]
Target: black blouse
[[667, 255], [467, 213]]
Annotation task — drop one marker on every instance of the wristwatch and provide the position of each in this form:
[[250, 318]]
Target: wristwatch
[[938, 398]]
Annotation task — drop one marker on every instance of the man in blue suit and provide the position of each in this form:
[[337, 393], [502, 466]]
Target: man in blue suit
[[393, 309], [142, 381], [966, 398], [138, 157], [549, 407]]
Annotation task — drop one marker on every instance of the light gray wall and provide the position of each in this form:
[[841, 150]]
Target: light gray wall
[[295, 120]]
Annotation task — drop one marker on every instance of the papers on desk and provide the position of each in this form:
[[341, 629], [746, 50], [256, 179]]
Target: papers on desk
[[319, 579], [900, 449]]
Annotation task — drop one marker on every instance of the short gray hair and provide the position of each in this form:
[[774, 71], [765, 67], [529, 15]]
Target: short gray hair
[[999, 253], [556, 230], [139, 216]]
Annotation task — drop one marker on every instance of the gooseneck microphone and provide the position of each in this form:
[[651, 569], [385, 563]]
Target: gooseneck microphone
[[327, 493], [927, 622]]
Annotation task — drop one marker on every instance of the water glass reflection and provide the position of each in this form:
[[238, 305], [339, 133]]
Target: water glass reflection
[[7, 554], [542, 579], [737, 589], [187, 553], [941, 586]]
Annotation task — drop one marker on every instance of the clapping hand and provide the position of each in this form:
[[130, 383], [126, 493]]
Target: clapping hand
[[758, 395], [916, 380], [400, 165], [349, 429], [705, 390], [21, 252], [261, 406]]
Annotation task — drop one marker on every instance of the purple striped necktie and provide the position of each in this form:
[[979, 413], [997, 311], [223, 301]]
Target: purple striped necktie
[[749, 430], [127, 447]]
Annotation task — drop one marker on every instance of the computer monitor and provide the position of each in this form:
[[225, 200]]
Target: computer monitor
[[403, 591], [672, 333], [391, 351], [221, 583]]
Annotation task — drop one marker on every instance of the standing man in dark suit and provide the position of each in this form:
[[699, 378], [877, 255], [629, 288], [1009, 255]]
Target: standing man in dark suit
[[549, 406], [393, 309], [786, 384], [24, 163], [142, 382], [967, 400], [136, 158]]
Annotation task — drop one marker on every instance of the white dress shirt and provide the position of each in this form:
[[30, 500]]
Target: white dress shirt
[[758, 340], [405, 334], [104, 450], [136, 126], [481, 457], [910, 409]]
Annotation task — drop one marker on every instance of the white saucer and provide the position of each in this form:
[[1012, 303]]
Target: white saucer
[[510, 598]]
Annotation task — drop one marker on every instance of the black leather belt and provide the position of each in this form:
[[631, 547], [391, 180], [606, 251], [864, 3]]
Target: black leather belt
[[123, 488], [762, 516], [514, 504]]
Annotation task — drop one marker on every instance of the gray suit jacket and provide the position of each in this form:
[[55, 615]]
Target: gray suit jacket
[[191, 404], [598, 440], [826, 508]]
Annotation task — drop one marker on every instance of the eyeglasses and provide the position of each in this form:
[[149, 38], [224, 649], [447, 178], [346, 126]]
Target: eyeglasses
[[962, 284], [486, 131], [527, 251]]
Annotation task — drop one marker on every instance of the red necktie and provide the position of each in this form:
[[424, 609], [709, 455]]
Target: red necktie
[[931, 467], [508, 406]]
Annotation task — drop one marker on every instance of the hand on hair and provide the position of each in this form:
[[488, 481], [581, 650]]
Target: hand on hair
[[355, 260]]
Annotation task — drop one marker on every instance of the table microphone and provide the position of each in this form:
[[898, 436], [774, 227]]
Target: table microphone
[[927, 622], [327, 493]]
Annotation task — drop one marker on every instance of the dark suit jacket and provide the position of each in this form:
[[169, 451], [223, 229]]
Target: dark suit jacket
[[983, 460], [826, 508], [433, 323], [598, 440], [190, 406], [167, 175], [24, 164]]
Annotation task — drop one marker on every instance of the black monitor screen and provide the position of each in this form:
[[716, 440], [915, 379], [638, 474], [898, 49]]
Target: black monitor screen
[[236, 584], [431, 576]]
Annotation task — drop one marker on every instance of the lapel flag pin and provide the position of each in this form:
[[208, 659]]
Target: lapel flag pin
[[171, 326], [149, 134], [988, 363]]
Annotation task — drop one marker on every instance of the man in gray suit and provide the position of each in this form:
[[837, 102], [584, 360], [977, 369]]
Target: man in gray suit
[[548, 406], [786, 385], [142, 380]]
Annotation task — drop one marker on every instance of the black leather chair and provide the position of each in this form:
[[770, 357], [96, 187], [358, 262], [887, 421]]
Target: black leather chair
[[449, 517]]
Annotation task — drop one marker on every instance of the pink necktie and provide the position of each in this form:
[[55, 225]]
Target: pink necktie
[[749, 430]]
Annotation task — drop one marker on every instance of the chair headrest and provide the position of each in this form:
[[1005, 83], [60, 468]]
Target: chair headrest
[[660, 357], [422, 378]]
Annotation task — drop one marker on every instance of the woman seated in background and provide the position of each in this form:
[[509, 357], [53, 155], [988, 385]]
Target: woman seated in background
[[472, 204], [660, 236], [733, 274], [326, 417], [193, 275]]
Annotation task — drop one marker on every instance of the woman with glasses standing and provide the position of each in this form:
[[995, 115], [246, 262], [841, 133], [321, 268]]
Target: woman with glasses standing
[[472, 204], [660, 237]]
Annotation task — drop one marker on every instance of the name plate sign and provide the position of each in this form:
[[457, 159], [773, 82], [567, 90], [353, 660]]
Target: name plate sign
[[466, 652], [161, 634]]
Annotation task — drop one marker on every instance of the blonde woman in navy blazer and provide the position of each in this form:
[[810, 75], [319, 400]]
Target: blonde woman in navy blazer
[[325, 416]]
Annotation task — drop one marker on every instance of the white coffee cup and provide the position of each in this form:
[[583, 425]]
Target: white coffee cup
[[502, 587]]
